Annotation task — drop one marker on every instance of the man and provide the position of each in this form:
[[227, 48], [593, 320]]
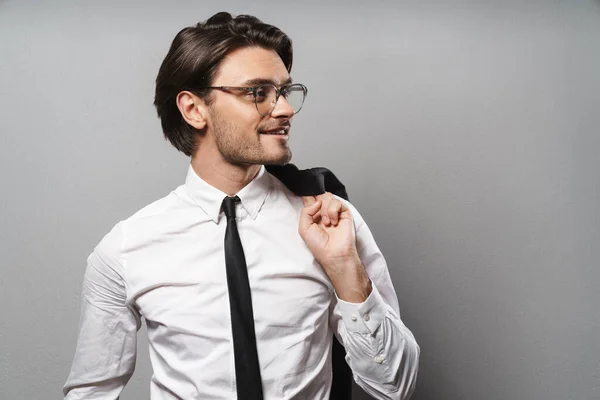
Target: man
[[240, 281]]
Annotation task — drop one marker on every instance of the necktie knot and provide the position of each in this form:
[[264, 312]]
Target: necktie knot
[[229, 206]]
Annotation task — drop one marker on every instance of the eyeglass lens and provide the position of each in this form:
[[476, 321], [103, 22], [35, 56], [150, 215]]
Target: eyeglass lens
[[266, 97]]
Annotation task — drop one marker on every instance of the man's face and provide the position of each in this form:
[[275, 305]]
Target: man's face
[[241, 134]]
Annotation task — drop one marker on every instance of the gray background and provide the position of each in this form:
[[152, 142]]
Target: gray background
[[466, 132]]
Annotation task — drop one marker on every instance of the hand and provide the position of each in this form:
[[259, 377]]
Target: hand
[[327, 228]]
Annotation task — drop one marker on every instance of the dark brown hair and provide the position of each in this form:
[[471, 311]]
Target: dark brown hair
[[193, 61]]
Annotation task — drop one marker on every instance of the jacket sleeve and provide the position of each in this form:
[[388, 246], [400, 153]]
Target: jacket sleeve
[[380, 349], [106, 347]]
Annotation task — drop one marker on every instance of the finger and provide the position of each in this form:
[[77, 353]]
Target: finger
[[311, 207], [325, 219], [326, 199], [334, 210], [308, 200], [307, 216]]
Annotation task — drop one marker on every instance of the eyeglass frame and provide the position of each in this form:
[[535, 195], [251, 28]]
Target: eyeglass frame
[[253, 90]]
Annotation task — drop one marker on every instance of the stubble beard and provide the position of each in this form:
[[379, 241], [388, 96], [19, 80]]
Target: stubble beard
[[240, 149]]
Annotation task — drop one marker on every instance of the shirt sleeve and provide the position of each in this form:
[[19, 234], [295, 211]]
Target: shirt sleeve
[[380, 349], [106, 347]]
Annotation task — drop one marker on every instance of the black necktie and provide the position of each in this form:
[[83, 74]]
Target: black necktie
[[247, 369], [311, 182]]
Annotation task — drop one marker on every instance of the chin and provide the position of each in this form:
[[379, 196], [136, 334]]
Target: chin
[[283, 159], [276, 161], [278, 157]]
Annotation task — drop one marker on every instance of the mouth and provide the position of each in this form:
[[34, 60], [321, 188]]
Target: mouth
[[279, 131]]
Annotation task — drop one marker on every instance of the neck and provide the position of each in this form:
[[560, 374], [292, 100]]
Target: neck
[[223, 175]]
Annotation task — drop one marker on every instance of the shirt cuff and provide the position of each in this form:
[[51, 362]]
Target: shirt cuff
[[363, 317]]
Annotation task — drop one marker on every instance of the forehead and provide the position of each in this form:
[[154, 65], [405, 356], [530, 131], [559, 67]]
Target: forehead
[[251, 63]]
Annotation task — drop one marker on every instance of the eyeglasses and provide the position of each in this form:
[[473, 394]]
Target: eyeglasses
[[267, 95]]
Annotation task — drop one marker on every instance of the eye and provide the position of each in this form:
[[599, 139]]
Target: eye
[[260, 94]]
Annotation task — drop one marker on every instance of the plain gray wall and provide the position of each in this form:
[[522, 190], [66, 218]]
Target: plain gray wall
[[467, 134]]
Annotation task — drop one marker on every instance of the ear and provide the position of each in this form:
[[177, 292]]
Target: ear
[[192, 109]]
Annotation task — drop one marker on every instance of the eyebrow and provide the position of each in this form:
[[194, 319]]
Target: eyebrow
[[265, 81]]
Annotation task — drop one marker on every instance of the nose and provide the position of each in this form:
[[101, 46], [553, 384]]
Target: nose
[[282, 109]]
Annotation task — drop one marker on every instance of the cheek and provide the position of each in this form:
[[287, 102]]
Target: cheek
[[251, 124], [247, 119], [241, 120]]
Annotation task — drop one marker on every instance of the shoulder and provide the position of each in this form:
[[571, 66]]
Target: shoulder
[[279, 192], [170, 203], [144, 224]]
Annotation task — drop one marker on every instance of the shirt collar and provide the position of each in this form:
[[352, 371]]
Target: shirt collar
[[209, 198]]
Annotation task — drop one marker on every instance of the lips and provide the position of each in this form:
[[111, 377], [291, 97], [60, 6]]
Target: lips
[[278, 131]]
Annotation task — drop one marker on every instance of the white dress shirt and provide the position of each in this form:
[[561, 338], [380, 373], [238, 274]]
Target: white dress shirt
[[166, 264]]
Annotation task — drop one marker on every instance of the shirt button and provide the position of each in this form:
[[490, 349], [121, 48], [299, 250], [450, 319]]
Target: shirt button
[[353, 317], [379, 359], [366, 317]]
